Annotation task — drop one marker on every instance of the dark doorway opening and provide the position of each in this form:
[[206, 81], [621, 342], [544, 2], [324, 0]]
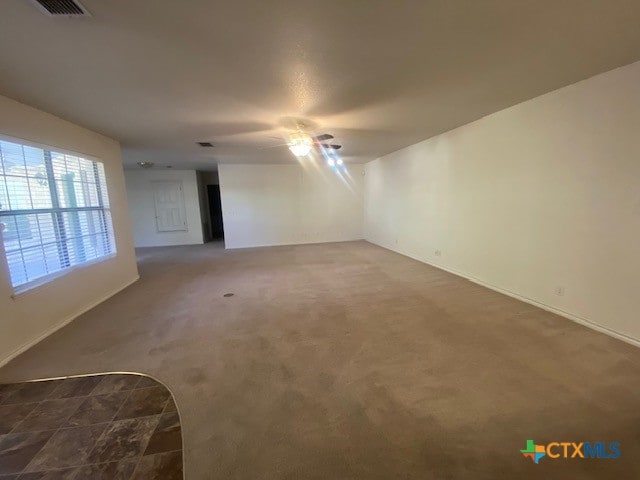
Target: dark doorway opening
[[215, 212]]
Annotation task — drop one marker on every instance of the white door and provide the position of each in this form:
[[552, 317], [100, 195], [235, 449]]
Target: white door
[[170, 212]]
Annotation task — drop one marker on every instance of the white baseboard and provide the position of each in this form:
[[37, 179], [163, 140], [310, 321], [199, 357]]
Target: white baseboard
[[302, 242], [23, 348], [570, 316]]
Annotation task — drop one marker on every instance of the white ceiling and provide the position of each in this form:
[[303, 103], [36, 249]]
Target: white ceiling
[[160, 75]]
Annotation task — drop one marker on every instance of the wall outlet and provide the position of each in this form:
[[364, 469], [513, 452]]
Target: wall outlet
[[396, 240], [559, 291], [438, 253]]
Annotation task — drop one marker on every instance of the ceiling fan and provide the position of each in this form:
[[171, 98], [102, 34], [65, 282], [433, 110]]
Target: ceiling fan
[[297, 138], [300, 143]]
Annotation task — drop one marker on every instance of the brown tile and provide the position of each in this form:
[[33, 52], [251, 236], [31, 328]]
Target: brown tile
[[6, 389], [75, 387], [49, 415], [116, 383], [18, 449], [108, 471], [171, 406], [30, 392], [62, 474], [147, 382], [167, 436], [66, 448], [97, 409], [11, 415], [162, 466], [143, 402], [124, 439]]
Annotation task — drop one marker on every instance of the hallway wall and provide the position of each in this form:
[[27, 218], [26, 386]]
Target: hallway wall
[[143, 211], [288, 204]]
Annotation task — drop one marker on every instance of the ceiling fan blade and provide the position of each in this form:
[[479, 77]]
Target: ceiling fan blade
[[330, 147], [274, 146], [323, 137]]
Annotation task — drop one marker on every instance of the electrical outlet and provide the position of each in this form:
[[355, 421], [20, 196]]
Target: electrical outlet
[[396, 240], [438, 253], [559, 291]]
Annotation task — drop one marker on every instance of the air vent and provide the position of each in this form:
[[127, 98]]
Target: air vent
[[67, 8], [205, 144]]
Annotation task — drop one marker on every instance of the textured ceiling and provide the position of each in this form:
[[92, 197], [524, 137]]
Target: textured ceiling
[[160, 75]]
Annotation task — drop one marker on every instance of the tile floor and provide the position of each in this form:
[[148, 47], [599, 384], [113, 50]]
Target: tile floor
[[116, 426]]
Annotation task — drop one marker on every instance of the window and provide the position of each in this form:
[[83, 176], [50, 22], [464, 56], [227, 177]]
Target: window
[[55, 211]]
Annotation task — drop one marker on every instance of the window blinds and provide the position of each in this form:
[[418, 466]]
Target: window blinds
[[55, 211]]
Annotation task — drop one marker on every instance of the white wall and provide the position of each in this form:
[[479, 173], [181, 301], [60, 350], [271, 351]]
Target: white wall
[[542, 195], [288, 204], [36, 313], [143, 210]]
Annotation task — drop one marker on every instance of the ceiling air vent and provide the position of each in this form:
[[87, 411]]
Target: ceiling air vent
[[205, 144], [67, 8]]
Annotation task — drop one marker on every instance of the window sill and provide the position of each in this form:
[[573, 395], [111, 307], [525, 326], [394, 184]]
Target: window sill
[[34, 285]]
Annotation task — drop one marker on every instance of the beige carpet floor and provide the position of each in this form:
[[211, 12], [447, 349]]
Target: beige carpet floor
[[347, 361]]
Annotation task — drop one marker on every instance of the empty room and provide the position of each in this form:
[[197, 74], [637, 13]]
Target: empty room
[[319, 240]]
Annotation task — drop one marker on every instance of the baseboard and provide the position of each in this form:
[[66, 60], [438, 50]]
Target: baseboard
[[308, 242], [570, 316], [23, 348]]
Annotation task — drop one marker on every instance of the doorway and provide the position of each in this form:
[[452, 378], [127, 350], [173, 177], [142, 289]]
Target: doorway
[[215, 212]]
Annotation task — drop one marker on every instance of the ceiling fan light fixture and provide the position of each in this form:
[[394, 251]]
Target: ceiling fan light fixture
[[300, 144], [300, 150]]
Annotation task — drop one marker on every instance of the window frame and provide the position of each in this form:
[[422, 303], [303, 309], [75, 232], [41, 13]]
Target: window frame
[[56, 211]]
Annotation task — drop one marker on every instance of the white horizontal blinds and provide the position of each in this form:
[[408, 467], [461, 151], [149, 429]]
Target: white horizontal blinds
[[55, 210]]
